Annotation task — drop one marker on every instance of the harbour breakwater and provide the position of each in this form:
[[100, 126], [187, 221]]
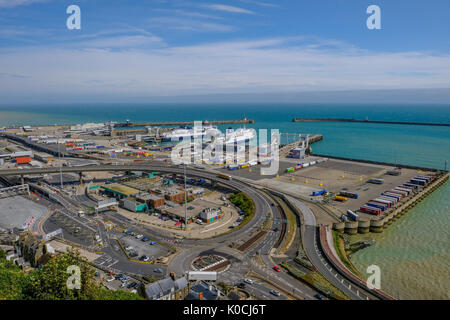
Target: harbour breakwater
[[379, 224], [181, 123], [370, 121]]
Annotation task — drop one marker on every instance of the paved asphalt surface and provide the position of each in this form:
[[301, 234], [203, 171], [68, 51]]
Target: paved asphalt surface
[[241, 263], [310, 240]]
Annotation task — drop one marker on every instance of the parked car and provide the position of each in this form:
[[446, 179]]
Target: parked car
[[144, 258], [128, 248], [241, 285], [139, 236], [276, 268], [145, 239], [153, 242], [158, 270], [249, 281], [132, 285], [275, 292], [133, 254], [110, 279], [319, 296]]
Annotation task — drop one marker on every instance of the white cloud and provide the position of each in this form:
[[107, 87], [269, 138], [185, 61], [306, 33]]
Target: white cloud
[[266, 65], [15, 3], [226, 8]]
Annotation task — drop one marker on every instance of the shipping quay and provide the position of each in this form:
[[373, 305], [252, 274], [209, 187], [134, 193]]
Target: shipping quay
[[181, 123], [370, 121], [400, 207]]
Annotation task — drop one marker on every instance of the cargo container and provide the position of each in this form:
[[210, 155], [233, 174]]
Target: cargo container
[[377, 205], [352, 215], [376, 181], [348, 194], [290, 169], [371, 210], [319, 192], [340, 198]]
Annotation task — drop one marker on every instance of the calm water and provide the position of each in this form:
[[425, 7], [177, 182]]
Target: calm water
[[414, 253]]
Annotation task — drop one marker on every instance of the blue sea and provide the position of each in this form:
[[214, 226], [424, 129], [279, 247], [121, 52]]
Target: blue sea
[[414, 252]]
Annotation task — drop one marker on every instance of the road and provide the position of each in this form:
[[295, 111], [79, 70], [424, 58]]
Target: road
[[192, 248], [310, 240]]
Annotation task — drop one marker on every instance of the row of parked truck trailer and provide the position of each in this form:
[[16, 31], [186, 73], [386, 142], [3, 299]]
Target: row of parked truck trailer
[[389, 198], [301, 165]]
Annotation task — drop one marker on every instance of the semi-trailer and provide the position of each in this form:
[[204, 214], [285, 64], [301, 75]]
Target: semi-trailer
[[352, 215], [371, 210], [403, 193], [319, 192], [340, 198], [400, 194], [376, 181], [389, 203], [393, 200], [408, 191], [348, 194], [410, 185], [419, 182], [377, 205], [391, 195]]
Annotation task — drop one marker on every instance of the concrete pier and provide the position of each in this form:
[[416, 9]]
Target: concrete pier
[[377, 225], [370, 121]]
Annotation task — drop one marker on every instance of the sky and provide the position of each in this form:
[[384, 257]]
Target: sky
[[140, 49]]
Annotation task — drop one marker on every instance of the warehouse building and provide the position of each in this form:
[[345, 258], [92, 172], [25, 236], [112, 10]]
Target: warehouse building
[[119, 191]]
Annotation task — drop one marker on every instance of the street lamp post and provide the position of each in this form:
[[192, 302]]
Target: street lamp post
[[185, 199], [60, 166]]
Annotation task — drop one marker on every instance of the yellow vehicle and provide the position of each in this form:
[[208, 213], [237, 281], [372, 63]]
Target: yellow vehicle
[[224, 176], [340, 198]]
